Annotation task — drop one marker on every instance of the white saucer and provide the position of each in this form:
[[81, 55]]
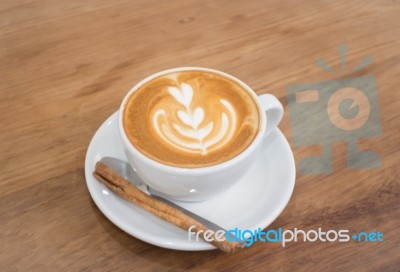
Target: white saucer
[[254, 202]]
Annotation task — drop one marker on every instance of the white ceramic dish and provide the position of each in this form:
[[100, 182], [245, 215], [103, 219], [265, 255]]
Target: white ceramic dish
[[253, 202]]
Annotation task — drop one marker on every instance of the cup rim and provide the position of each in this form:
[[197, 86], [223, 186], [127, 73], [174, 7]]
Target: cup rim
[[206, 169]]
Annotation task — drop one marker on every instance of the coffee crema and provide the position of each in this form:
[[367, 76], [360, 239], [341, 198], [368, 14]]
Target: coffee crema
[[191, 119]]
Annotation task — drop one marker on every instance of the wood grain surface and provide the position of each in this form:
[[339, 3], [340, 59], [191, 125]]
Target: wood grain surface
[[66, 65]]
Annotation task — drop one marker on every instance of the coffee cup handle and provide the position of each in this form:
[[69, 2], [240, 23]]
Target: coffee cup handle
[[274, 110]]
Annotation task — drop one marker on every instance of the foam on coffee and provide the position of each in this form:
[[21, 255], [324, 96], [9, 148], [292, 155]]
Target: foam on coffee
[[191, 119]]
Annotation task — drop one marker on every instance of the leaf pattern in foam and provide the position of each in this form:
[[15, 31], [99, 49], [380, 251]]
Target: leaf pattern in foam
[[184, 131], [187, 92], [184, 95], [206, 130], [191, 121], [176, 93], [185, 118], [198, 116]]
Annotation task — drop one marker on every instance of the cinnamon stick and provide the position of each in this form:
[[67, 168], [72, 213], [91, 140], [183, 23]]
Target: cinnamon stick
[[131, 193]]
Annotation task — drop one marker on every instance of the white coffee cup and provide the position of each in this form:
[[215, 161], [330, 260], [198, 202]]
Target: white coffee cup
[[197, 184]]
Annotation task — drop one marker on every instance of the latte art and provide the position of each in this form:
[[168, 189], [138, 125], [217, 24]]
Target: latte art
[[191, 134], [191, 119]]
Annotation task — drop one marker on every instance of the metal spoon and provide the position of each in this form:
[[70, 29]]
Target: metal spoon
[[125, 170]]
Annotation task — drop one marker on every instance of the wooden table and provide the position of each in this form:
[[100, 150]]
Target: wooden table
[[66, 65]]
